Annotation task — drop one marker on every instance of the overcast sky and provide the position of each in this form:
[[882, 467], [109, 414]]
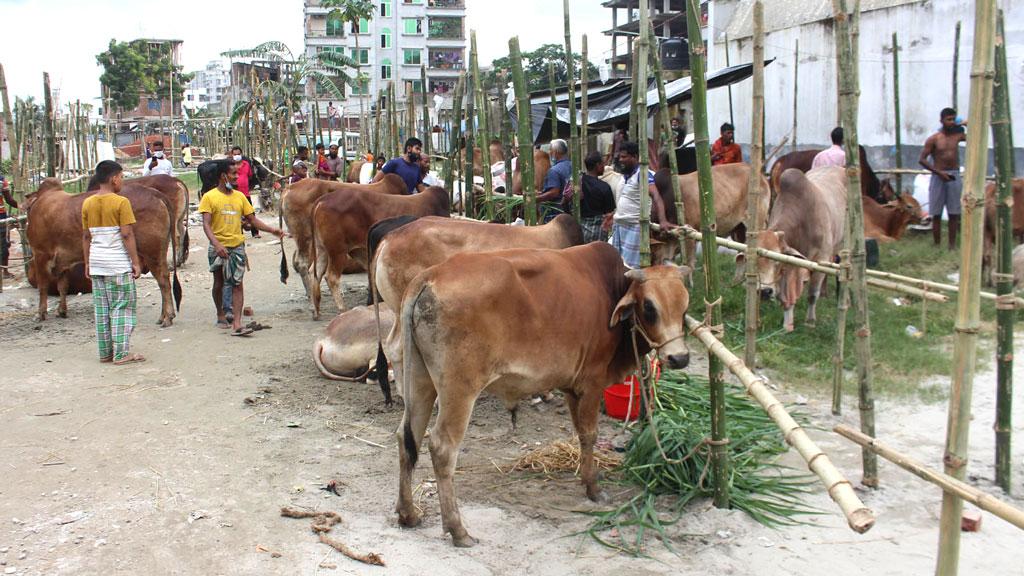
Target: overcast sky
[[62, 37]]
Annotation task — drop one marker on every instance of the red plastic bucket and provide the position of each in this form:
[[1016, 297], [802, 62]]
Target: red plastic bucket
[[616, 396]]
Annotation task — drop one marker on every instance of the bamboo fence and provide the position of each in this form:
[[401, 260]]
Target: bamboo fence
[[754, 187]]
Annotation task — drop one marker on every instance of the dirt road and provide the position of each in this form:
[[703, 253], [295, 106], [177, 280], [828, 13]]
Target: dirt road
[[181, 464]]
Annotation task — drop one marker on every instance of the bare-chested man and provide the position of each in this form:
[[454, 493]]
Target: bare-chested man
[[946, 185]]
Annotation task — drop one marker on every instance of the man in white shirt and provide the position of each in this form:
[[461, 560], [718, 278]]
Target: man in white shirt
[[626, 228], [158, 164], [834, 156]]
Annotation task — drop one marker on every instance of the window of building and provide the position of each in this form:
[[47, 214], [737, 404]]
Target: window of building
[[335, 27], [364, 27], [362, 56], [413, 25], [385, 38], [411, 57], [385, 9], [412, 1], [417, 86], [385, 69]]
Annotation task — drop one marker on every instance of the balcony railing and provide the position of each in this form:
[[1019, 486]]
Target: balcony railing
[[453, 4], [446, 60], [445, 29]]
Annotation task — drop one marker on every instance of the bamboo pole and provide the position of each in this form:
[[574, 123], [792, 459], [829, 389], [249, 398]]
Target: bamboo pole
[[410, 112], [428, 133], [896, 110], [640, 110], [754, 187], [727, 64], [51, 161], [947, 483], [554, 102], [713, 315], [969, 304], [858, 516], [796, 79], [846, 41], [13, 138], [584, 103], [455, 131], [1002, 135], [468, 192], [506, 136], [576, 154], [396, 136], [668, 140], [483, 132], [956, 63], [525, 134]]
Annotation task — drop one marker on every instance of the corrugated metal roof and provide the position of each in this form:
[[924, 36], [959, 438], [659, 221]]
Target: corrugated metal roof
[[782, 14]]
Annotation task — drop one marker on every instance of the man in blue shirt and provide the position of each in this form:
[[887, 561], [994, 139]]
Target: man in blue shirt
[[407, 166], [559, 176]]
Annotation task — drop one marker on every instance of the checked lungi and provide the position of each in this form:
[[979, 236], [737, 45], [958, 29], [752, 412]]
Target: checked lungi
[[592, 230], [113, 298], [626, 239]]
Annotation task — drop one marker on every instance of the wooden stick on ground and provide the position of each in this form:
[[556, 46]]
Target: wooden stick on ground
[[323, 522], [858, 516]]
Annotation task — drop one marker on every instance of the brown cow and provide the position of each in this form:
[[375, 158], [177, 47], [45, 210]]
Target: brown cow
[[1017, 216], [55, 235], [406, 251], [348, 347], [297, 207], [353, 171], [176, 193], [541, 166], [340, 223], [879, 190], [887, 222], [807, 221], [522, 322]]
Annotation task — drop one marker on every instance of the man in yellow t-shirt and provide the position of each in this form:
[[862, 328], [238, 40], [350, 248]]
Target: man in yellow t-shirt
[[112, 261], [224, 209]]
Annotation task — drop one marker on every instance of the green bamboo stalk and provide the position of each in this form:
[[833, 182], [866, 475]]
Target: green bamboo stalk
[[584, 102], [896, 111], [525, 134], [956, 63], [427, 132], [574, 140], [13, 138], [506, 136], [554, 103], [754, 190], [455, 131], [640, 109], [1002, 135], [796, 84], [396, 137], [713, 313], [727, 64], [965, 346], [668, 140], [846, 39], [410, 111], [483, 133], [51, 161], [468, 195]]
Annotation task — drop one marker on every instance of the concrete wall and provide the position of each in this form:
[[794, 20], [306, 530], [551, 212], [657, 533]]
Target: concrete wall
[[925, 30]]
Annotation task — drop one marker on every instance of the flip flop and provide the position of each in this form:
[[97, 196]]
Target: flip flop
[[246, 331], [224, 324], [130, 359], [257, 326], [106, 360]]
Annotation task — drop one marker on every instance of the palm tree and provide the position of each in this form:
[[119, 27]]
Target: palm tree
[[352, 11]]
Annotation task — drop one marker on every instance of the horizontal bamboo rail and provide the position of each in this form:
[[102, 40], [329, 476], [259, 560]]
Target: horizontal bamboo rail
[[858, 516], [982, 500], [823, 267]]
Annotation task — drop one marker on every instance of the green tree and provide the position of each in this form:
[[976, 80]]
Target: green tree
[[535, 67], [135, 69]]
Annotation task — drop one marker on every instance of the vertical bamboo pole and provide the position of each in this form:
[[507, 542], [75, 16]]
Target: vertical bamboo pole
[[506, 136], [754, 187], [584, 103], [574, 139], [554, 103], [51, 161], [796, 83], [968, 304], [640, 108], [727, 64], [1002, 136], [483, 132], [634, 89], [396, 144], [428, 134], [956, 62], [13, 138], [713, 314], [896, 111], [667, 139], [378, 148], [468, 195], [410, 112], [525, 133], [455, 131]]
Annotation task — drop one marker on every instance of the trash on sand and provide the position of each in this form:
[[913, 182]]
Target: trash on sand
[[196, 515], [913, 332]]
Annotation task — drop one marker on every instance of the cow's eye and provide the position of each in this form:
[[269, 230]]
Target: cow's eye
[[650, 312]]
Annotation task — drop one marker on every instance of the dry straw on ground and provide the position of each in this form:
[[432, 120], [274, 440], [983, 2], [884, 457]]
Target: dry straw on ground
[[562, 456]]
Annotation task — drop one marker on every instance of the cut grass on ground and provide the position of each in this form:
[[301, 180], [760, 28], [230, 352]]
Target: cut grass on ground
[[901, 363]]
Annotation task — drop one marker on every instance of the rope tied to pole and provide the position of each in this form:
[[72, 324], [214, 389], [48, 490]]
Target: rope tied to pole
[[717, 329]]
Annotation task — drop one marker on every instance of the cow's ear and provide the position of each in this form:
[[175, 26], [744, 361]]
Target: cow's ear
[[685, 271], [623, 310]]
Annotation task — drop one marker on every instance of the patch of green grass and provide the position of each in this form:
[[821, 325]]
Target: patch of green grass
[[901, 363], [191, 179]]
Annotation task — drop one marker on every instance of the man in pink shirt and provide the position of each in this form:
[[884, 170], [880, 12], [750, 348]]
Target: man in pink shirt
[[244, 174], [834, 156]]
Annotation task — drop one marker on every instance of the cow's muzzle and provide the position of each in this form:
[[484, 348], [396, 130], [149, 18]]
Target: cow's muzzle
[[767, 293], [677, 361]]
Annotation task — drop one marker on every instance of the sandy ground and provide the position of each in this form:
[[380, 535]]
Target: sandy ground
[[101, 467]]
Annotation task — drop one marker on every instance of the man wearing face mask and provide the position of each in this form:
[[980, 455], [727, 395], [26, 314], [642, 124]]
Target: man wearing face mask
[[407, 166], [244, 174], [224, 209], [158, 164]]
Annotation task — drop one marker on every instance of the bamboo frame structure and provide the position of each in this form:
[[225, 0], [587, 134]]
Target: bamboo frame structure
[[574, 139], [949, 484], [858, 516], [1002, 136], [13, 139], [846, 47], [969, 304], [524, 135], [754, 187], [468, 191], [506, 140], [640, 120], [482, 132], [554, 103], [712, 297], [897, 117], [51, 161], [584, 102], [668, 140]]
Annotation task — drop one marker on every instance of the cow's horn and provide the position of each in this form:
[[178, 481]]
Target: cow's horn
[[636, 274]]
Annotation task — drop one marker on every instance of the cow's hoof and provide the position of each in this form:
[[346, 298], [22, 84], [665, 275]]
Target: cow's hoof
[[788, 327], [595, 494], [165, 323], [464, 540], [40, 317], [811, 324], [410, 520], [62, 313]]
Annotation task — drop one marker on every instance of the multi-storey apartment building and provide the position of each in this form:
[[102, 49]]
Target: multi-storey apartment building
[[207, 88], [402, 36]]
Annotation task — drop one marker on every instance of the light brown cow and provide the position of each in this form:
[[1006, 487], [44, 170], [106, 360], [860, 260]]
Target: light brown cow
[[522, 322], [887, 222], [541, 166], [176, 193], [55, 235], [808, 220], [297, 209], [348, 348], [408, 250], [341, 222], [1017, 216]]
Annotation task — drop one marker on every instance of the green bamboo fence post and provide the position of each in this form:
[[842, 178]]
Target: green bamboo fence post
[[396, 139], [584, 101], [1002, 136], [640, 108], [455, 133], [727, 64], [796, 82], [667, 140], [754, 187], [428, 133], [574, 140], [554, 103], [51, 161], [410, 112], [377, 147], [483, 131], [968, 304], [956, 63], [896, 111], [13, 137], [713, 313], [634, 89], [506, 137], [468, 192], [525, 133]]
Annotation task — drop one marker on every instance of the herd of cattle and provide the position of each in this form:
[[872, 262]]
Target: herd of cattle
[[460, 306]]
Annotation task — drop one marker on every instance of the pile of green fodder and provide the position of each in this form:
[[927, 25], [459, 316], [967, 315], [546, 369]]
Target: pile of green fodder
[[681, 467]]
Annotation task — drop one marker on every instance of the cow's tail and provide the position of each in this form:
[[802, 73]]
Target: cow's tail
[[381, 366], [172, 230], [280, 226], [318, 349], [410, 355], [312, 243]]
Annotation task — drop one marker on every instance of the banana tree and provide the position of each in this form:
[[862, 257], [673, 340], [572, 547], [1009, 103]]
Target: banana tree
[[353, 11]]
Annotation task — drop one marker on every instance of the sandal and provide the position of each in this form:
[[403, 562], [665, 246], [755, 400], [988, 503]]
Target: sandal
[[244, 331], [223, 324], [106, 360], [257, 326], [130, 359]]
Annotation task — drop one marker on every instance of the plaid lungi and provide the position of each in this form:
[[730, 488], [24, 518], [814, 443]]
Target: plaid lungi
[[626, 239], [113, 298], [234, 265], [592, 231]]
